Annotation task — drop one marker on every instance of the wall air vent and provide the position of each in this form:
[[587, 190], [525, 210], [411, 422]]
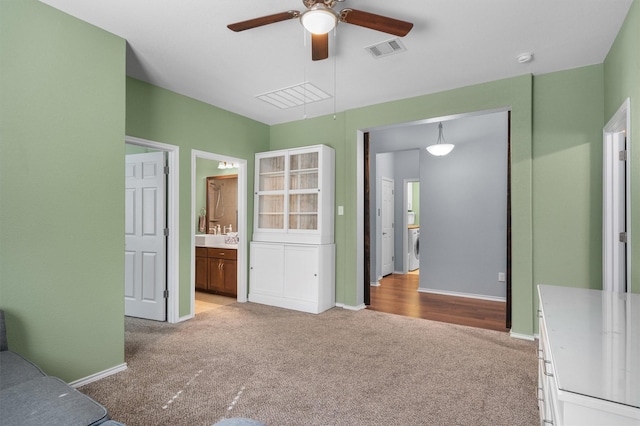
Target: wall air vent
[[386, 48], [293, 96]]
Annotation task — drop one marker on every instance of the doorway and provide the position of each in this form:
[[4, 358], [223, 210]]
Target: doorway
[[198, 192], [171, 271], [411, 238], [496, 127], [616, 251]]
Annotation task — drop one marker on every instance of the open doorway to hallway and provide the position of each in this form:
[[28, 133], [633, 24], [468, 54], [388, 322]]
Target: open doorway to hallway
[[464, 218]]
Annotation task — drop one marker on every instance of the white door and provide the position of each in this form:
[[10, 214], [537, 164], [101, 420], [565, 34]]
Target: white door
[[387, 226], [145, 240]]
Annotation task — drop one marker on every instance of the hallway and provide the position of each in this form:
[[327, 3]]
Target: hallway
[[397, 294]]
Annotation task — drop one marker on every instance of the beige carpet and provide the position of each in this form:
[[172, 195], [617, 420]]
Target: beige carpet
[[338, 368]]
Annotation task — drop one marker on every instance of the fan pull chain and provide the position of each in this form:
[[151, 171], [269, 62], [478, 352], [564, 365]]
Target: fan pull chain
[[335, 60], [304, 75]]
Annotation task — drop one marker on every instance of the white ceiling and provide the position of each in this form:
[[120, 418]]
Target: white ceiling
[[185, 46]]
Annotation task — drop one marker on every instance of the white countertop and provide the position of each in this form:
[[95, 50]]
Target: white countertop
[[214, 241], [594, 337]]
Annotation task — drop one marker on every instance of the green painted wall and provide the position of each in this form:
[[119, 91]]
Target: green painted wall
[[163, 116], [567, 177], [622, 81], [62, 121], [62, 124]]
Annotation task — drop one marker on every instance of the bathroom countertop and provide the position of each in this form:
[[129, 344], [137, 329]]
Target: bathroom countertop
[[213, 241]]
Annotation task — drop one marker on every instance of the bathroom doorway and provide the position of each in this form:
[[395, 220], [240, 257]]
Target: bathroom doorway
[[203, 166]]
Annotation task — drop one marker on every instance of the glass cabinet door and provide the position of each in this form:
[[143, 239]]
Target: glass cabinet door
[[271, 174], [271, 208], [303, 191], [303, 211], [294, 195]]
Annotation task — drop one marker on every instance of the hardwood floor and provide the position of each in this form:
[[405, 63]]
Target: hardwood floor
[[398, 294]]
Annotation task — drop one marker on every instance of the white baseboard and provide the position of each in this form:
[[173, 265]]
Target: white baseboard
[[99, 375], [186, 317], [374, 283], [521, 336], [350, 307], [458, 294]]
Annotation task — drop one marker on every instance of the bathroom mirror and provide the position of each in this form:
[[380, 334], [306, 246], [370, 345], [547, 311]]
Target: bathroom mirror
[[222, 203]]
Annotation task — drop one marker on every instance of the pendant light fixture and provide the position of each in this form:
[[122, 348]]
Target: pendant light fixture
[[441, 147]]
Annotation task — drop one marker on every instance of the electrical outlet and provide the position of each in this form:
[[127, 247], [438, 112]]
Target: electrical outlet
[[501, 277], [340, 210]]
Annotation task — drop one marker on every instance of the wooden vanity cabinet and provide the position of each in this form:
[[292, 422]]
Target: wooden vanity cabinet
[[216, 270], [202, 269]]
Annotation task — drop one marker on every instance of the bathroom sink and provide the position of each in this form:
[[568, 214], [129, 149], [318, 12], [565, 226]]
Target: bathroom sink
[[211, 240]]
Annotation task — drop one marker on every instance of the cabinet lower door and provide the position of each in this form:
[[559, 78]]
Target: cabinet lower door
[[201, 273], [301, 272], [267, 269], [216, 275], [230, 268]]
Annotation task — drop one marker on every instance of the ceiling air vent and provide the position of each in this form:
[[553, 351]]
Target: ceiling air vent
[[386, 48], [293, 96]]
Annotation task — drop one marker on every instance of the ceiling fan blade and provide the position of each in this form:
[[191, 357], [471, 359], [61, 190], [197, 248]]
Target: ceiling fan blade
[[376, 22], [264, 20], [319, 46]]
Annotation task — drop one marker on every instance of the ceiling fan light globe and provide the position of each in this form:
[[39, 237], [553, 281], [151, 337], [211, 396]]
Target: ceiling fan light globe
[[319, 20], [440, 149]]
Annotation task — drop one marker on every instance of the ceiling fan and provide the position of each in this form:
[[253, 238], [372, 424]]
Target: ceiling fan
[[320, 18]]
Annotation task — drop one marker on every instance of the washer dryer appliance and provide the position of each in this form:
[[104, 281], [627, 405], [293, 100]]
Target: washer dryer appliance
[[414, 249]]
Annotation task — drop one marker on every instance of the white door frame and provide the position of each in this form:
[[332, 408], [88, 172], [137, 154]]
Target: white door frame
[[620, 122], [391, 212], [173, 276], [241, 226]]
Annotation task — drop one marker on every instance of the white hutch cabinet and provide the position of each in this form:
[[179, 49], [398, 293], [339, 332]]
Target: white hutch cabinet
[[293, 250], [294, 195], [589, 357]]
